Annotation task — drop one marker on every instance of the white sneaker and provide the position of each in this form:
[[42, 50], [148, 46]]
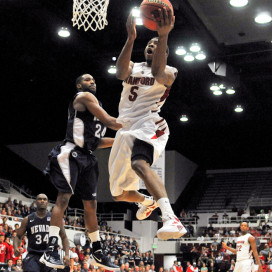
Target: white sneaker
[[172, 228], [145, 211]]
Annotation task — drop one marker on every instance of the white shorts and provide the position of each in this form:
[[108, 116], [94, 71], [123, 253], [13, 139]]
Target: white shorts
[[244, 266], [148, 129]]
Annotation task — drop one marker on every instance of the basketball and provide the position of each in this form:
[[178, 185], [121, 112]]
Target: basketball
[[149, 7]]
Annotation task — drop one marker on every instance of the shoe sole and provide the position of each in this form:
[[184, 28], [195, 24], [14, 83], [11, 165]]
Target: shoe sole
[[170, 235], [42, 260], [94, 263]]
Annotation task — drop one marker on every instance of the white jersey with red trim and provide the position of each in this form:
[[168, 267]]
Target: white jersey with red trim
[[142, 94], [243, 248]]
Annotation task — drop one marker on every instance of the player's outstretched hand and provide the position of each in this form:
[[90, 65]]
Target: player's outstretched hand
[[165, 21], [224, 245], [131, 27]]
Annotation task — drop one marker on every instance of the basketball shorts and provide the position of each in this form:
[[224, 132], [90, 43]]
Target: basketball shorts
[[73, 170], [153, 131], [244, 266]]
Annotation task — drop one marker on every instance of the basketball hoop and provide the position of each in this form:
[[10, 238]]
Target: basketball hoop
[[90, 14]]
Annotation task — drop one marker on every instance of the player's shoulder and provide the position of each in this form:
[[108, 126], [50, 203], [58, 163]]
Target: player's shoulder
[[84, 97], [31, 216]]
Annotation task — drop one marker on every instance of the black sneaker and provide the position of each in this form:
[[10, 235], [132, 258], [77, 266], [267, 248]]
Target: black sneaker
[[100, 260], [51, 258]]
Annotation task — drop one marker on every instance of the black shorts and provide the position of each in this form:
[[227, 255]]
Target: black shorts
[[73, 170], [142, 151]]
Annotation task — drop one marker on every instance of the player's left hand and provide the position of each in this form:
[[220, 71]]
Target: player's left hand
[[66, 260], [165, 21]]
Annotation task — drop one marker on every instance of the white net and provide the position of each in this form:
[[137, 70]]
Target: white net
[[90, 14]]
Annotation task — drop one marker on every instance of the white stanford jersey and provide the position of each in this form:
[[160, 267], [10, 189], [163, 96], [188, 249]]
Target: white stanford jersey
[[243, 248], [142, 94]]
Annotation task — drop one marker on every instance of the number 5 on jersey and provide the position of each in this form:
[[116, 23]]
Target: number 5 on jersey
[[133, 95]]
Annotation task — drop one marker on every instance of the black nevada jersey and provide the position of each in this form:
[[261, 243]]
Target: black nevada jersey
[[37, 232], [83, 128]]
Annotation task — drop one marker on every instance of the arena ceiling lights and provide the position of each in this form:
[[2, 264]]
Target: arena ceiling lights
[[136, 13], [184, 118], [194, 52], [112, 69], [263, 18], [238, 108], [238, 3], [64, 32], [218, 89]]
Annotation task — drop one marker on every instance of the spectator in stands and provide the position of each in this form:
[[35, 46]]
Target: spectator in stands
[[189, 267], [194, 253], [175, 265], [265, 251], [151, 258], [265, 228], [196, 217], [190, 230], [137, 258], [264, 266], [152, 269], [199, 265], [204, 268], [225, 217], [4, 221], [85, 267], [1, 231], [204, 254], [18, 266], [195, 268], [10, 266], [219, 258], [3, 249], [212, 267], [214, 218], [183, 214]]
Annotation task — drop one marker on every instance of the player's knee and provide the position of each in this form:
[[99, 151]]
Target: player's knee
[[121, 197], [63, 200], [90, 206], [139, 166]]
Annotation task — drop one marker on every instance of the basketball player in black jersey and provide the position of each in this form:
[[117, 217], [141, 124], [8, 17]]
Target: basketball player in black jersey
[[73, 168], [36, 226]]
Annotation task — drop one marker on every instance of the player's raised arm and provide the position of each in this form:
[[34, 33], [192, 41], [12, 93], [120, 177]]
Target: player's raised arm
[[255, 252], [124, 65], [224, 245], [165, 23], [89, 101], [18, 238]]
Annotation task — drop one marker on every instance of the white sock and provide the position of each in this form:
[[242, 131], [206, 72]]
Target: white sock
[[165, 206], [94, 236], [54, 231], [147, 201]]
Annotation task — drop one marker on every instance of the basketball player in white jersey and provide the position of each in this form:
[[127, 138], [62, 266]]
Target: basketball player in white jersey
[[245, 246], [138, 145]]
